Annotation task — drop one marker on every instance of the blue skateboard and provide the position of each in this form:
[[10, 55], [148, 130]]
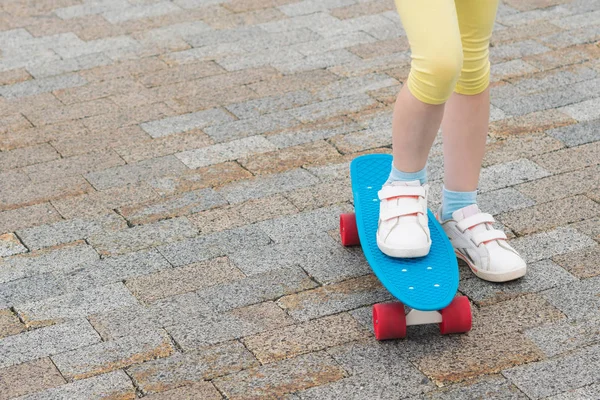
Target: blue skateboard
[[427, 285]]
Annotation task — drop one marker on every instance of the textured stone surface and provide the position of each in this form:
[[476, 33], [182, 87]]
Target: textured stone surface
[[171, 178]]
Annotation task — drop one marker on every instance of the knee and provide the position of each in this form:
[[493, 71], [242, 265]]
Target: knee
[[434, 78]]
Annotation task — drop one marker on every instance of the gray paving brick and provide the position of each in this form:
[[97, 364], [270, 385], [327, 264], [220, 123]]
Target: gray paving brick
[[60, 260], [331, 299], [114, 384], [10, 245], [68, 231], [306, 7], [138, 172], [529, 103], [110, 46], [331, 108], [322, 23], [267, 105], [309, 134], [584, 111], [510, 68], [540, 276], [255, 289], [578, 299], [375, 369], [548, 244], [58, 67], [516, 50], [194, 366], [239, 192], [225, 151], [143, 236], [494, 387], [93, 274], [555, 376], [291, 65], [213, 329], [185, 122], [356, 85], [565, 335], [590, 392], [205, 247], [261, 58], [111, 355], [139, 12], [551, 81], [47, 341], [511, 173], [291, 227], [184, 204], [77, 304], [250, 127], [333, 43], [502, 200], [43, 85]]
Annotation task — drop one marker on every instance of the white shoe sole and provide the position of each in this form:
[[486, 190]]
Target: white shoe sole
[[497, 277], [403, 253]]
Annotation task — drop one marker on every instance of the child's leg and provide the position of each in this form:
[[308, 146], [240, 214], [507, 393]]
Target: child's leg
[[432, 30], [434, 37], [465, 126], [466, 118]]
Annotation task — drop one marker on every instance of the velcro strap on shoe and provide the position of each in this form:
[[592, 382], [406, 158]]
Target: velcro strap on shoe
[[390, 191], [474, 220], [393, 212], [493, 234]]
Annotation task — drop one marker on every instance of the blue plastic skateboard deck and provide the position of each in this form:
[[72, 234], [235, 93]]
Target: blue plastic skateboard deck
[[426, 283]]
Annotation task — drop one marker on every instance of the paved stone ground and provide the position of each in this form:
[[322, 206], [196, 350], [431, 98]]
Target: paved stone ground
[[171, 173]]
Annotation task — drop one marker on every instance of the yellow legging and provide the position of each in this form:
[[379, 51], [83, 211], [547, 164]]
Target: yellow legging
[[449, 41]]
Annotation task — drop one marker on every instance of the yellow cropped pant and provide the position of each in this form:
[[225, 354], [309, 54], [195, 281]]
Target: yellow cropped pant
[[449, 42]]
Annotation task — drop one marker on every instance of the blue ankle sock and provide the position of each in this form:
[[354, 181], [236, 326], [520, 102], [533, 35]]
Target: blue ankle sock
[[397, 175], [452, 201]]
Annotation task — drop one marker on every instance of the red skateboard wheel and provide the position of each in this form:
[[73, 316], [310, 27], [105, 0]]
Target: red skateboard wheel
[[348, 230], [389, 321], [456, 318]]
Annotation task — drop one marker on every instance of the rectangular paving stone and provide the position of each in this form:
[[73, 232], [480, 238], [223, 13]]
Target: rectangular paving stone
[[93, 274], [495, 387], [559, 186], [222, 152], [191, 367], [268, 185], [275, 380], [108, 356], [199, 390], [313, 61], [319, 152], [550, 215], [566, 335], [133, 173], [143, 236], [503, 200], [256, 289], [577, 134], [266, 105], [180, 205], [578, 299], [173, 281], [9, 325], [305, 224], [332, 108], [205, 247], [583, 393], [69, 231], [583, 111], [112, 385], [509, 174], [10, 245], [534, 122], [82, 164], [25, 156], [311, 133], [304, 338], [570, 159], [581, 263], [518, 147], [250, 127], [331, 299], [63, 259], [29, 377], [43, 342], [544, 245], [213, 329], [541, 275], [182, 123], [265, 208], [42, 85], [76, 304], [380, 369], [322, 195], [356, 85], [557, 375]]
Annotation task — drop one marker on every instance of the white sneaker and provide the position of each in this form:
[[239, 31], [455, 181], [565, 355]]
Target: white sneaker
[[482, 247], [403, 230]]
